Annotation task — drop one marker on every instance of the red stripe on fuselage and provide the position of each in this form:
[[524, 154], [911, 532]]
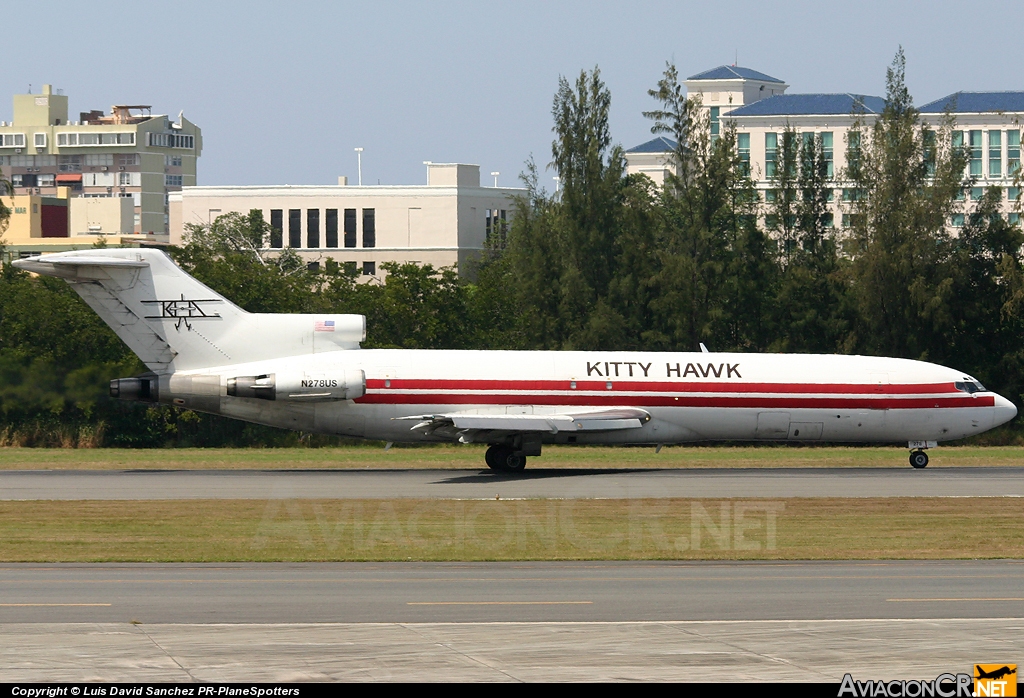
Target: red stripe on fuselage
[[660, 386], [620, 399]]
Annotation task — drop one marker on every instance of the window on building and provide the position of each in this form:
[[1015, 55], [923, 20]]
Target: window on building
[[350, 268], [928, 145], [1012, 152], [276, 228], [12, 140], [829, 220], [127, 159], [853, 153], [99, 159], [169, 180], [828, 152], [495, 223], [771, 151], [977, 193], [995, 154], [975, 153], [1013, 193], [743, 148], [1013, 218], [350, 227], [331, 227], [69, 163], [715, 124], [369, 269], [369, 227], [313, 228], [957, 220], [313, 266], [124, 179], [47, 180], [770, 195], [39, 140], [295, 227]]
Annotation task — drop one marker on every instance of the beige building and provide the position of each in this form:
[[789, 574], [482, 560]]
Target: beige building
[[42, 224], [443, 223], [129, 153], [989, 123]]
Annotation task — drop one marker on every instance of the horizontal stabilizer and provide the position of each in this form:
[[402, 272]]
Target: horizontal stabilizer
[[173, 322]]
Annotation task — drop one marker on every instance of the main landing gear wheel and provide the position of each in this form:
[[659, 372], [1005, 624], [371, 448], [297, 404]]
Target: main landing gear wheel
[[919, 459], [503, 458]]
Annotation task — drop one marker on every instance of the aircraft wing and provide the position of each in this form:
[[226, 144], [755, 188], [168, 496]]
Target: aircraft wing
[[469, 427]]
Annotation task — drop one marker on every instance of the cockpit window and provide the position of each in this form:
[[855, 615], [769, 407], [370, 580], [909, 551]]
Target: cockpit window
[[970, 386]]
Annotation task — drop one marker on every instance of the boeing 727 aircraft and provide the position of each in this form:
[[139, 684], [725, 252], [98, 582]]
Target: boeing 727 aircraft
[[307, 372]]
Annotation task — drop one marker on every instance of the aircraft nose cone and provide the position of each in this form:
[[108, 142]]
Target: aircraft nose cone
[[1003, 411]]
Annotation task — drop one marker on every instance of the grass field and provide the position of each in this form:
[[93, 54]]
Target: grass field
[[315, 530], [471, 457]]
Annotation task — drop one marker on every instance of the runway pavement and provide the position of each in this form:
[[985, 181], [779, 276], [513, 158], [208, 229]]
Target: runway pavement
[[800, 621], [472, 484], [503, 592]]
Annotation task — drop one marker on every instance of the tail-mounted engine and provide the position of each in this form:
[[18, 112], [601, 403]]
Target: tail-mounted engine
[[300, 387], [144, 388]]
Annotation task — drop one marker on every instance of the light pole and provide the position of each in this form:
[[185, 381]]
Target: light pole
[[495, 175], [359, 164], [557, 179]]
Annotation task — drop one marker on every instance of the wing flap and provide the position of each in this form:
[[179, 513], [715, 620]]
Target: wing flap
[[465, 423]]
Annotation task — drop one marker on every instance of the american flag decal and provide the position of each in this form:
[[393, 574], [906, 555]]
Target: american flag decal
[[323, 326]]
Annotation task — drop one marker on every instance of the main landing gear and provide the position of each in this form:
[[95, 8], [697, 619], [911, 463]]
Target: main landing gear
[[505, 459], [918, 459]]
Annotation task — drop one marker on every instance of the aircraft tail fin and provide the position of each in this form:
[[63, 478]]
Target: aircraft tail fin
[[173, 322]]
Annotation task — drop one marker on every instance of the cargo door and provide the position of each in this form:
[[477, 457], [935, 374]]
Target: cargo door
[[772, 425]]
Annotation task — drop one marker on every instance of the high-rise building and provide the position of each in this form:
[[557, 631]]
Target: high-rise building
[[128, 153]]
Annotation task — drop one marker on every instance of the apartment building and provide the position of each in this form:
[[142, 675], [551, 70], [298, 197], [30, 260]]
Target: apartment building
[[129, 153], [989, 123], [445, 222]]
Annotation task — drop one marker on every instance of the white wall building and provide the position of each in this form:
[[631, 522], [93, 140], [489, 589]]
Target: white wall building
[[988, 122], [444, 222]]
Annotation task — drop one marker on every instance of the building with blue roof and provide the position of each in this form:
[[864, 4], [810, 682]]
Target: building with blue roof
[[812, 104], [757, 106], [977, 103], [733, 72]]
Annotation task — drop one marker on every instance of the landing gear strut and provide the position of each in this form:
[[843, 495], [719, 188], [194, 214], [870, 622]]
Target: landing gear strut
[[504, 458], [918, 459]]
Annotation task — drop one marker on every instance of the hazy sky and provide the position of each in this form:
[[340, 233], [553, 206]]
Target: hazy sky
[[284, 91]]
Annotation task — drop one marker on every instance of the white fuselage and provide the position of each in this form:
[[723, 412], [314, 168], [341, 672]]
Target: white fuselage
[[689, 396]]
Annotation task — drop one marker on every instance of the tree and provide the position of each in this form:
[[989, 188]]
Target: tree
[[905, 185], [708, 237], [231, 256], [562, 253]]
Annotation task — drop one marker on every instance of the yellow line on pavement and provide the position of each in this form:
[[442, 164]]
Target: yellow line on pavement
[[965, 598], [497, 603], [19, 605]]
